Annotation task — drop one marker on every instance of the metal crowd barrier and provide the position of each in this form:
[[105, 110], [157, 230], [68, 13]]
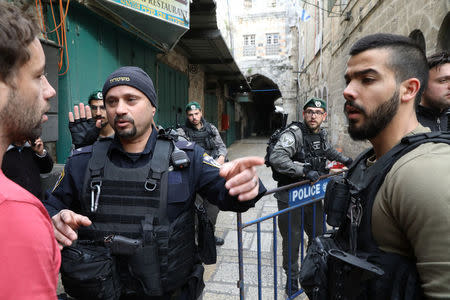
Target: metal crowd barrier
[[298, 199]]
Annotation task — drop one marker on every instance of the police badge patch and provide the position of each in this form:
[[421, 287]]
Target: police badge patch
[[287, 140], [210, 161]]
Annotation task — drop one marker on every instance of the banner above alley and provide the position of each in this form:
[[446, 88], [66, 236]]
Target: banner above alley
[[164, 21]]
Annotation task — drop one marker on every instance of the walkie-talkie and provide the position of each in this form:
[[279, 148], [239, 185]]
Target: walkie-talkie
[[180, 159]]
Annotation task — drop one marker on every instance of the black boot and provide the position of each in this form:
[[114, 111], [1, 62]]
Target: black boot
[[294, 287]]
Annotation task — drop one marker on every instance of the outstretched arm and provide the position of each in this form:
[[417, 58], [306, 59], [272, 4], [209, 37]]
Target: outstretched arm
[[241, 178]]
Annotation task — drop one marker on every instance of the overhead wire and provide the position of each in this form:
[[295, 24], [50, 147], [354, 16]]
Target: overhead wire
[[319, 7], [59, 30], [63, 31]]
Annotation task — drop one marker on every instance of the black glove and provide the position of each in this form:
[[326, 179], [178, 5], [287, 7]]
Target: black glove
[[84, 132], [348, 161], [310, 174]]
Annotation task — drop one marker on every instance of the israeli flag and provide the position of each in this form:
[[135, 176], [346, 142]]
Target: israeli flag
[[304, 16]]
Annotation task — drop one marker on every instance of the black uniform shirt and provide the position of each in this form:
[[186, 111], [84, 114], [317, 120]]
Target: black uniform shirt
[[202, 176]]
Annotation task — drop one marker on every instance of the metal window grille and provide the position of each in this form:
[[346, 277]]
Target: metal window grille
[[272, 44], [249, 45]]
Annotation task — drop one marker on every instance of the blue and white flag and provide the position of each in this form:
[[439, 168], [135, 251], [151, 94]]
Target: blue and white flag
[[304, 16]]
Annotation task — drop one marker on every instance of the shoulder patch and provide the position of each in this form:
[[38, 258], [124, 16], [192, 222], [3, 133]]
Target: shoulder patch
[[185, 145], [208, 160], [287, 140], [61, 176], [78, 151]]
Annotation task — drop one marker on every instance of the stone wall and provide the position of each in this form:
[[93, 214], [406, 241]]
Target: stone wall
[[324, 67]]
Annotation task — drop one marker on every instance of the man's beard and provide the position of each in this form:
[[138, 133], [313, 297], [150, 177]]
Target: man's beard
[[21, 121], [125, 133], [376, 121]]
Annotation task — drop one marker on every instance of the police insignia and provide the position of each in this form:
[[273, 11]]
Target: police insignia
[[208, 160], [287, 140], [61, 176]]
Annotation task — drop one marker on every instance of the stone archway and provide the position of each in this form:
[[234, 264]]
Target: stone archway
[[443, 40], [262, 116], [417, 36]]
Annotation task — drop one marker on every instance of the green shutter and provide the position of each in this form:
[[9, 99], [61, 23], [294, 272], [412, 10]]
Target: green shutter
[[96, 48], [210, 112], [172, 96], [231, 132]]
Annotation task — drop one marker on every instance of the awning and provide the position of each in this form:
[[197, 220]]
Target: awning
[[203, 44], [162, 21]]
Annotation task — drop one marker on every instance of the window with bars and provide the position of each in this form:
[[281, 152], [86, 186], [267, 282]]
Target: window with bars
[[247, 3], [272, 44], [249, 45]]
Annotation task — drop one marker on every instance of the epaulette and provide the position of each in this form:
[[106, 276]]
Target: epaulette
[[81, 150], [185, 145]]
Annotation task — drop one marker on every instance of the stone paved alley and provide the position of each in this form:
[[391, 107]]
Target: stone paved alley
[[221, 278]]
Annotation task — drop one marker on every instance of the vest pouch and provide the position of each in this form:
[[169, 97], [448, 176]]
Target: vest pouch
[[205, 239], [314, 269], [336, 201], [144, 267], [89, 272]]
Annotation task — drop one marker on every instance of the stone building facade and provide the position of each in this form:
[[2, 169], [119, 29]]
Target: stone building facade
[[325, 39], [314, 39], [262, 42]]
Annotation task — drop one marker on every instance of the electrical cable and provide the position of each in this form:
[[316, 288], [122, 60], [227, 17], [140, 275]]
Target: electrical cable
[[315, 5]]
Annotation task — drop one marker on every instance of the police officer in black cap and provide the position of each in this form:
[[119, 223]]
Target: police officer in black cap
[[301, 153], [206, 135], [123, 208]]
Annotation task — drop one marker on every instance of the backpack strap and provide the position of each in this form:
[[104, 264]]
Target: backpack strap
[[159, 166], [96, 166]]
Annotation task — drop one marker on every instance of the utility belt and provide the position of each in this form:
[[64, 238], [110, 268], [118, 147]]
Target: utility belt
[[90, 269]]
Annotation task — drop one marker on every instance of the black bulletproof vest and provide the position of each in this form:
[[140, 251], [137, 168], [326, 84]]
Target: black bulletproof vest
[[203, 137], [129, 199], [401, 279], [312, 151]]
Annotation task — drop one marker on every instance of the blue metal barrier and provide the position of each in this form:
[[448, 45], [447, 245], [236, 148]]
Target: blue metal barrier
[[301, 194]]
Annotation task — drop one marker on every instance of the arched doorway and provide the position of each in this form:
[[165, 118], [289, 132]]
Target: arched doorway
[[443, 42], [417, 36], [261, 112]]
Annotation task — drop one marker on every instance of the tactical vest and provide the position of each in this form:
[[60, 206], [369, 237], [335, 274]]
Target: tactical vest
[[312, 151], [203, 137], [132, 202], [401, 279]]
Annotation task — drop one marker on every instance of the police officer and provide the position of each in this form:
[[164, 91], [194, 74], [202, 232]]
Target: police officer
[[128, 202], [434, 108], [206, 135], [300, 154], [89, 123]]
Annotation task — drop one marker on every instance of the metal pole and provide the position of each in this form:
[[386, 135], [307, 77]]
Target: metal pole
[[240, 283]]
